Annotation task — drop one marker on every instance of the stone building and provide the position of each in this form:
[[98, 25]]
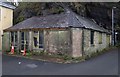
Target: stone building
[[6, 18], [64, 33]]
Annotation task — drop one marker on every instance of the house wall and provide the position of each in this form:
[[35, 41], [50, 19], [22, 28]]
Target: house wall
[[57, 41], [0, 29], [5, 21], [6, 42], [88, 48], [30, 40], [76, 42]]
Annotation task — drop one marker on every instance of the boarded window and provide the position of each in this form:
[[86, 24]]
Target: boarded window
[[92, 37], [100, 38]]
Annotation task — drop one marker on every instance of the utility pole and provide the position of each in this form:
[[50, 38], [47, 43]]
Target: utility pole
[[113, 33]]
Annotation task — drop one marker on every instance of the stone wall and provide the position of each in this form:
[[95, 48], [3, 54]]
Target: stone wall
[[76, 42], [86, 41], [30, 40], [88, 48], [57, 41]]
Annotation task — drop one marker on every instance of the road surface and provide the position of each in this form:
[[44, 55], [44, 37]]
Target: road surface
[[106, 64]]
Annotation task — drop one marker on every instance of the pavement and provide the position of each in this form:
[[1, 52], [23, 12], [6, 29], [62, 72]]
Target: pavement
[[106, 64], [0, 63]]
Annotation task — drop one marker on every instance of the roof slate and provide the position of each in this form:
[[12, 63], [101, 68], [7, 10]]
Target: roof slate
[[63, 20], [7, 5]]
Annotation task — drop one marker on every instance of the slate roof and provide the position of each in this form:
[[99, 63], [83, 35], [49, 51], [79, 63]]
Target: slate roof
[[63, 20], [7, 5]]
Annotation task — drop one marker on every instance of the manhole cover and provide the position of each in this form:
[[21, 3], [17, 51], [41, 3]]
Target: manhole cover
[[31, 65]]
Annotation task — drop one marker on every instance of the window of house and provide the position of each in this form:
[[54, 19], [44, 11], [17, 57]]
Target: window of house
[[41, 39], [38, 39], [24, 40], [14, 39], [92, 37], [35, 39], [100, 38]]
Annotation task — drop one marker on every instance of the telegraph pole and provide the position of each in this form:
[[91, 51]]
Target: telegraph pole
[[113, 34]]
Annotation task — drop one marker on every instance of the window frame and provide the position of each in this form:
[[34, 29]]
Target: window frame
[[13, 37], [24, 40], [92, 37], [39, 35]]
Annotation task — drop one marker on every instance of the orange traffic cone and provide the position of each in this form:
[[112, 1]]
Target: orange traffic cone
[[12, 50], [24, 53]]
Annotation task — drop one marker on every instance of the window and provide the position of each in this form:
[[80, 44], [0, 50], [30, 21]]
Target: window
[[38, 39], [100, 38], [41, 39], [92, 37], [24, 40], [14, 38], [35, 39]]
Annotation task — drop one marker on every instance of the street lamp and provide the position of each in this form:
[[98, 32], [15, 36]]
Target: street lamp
[[113, 34]]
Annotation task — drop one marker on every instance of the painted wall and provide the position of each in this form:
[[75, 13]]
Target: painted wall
[[6, 21]]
